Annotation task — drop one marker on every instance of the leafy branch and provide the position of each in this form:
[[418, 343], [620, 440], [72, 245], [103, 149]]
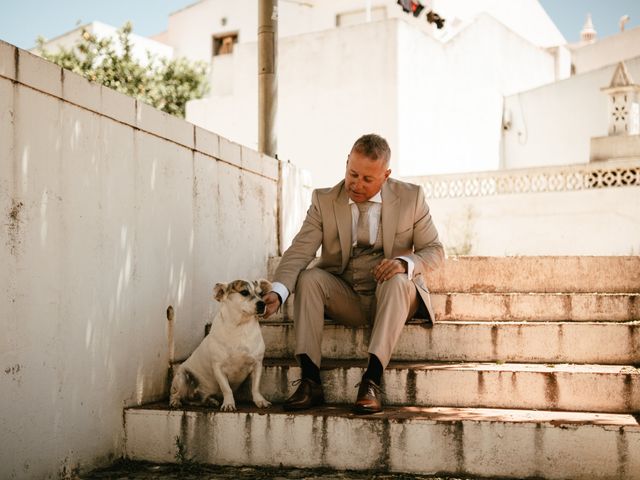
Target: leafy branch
[[164, 83]]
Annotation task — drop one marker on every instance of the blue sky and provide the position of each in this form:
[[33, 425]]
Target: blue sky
[[21, 21]]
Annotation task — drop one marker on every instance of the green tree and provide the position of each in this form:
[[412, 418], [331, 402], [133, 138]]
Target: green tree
[[166, 84]]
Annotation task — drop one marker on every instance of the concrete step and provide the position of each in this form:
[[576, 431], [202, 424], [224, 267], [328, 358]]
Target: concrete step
[[586, 388], [443, 440], [611, 343], [567, 274], [545, 307]]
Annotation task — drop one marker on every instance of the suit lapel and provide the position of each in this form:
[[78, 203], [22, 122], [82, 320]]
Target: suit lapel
[[342, 211], [390, 214]]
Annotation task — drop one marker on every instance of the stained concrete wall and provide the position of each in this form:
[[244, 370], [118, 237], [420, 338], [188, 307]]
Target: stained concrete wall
[[111, 212]]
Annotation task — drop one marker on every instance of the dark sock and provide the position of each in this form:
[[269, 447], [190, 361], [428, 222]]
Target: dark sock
[[374, 370], [309, 369]]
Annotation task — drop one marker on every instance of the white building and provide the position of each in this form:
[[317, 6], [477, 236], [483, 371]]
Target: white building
[[449, 100], [553, 124], [340, 76], [497, 92]]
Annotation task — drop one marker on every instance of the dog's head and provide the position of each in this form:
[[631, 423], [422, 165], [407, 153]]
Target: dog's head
[[244, 296]]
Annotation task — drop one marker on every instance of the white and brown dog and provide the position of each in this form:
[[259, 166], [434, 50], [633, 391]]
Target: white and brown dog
[[232, 350]]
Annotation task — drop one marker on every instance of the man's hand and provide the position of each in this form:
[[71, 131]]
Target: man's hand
[[272, 299], [387, 268]]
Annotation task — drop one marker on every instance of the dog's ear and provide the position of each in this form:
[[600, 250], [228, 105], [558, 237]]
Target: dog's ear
[[264, 286], [219, 290]]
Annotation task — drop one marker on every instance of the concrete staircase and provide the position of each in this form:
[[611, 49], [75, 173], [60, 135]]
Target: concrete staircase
[[531, 370]]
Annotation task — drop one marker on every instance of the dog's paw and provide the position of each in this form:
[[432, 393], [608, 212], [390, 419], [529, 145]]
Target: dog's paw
[[228, 407], [175, 403], [261, 402]]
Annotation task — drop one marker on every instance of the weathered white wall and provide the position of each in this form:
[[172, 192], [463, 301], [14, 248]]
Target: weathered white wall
[[111, 211], [553, 124], [607, 51], [334, 86], [386, 77], [191, 29], [570, 210], [451, 94], [526, 18]]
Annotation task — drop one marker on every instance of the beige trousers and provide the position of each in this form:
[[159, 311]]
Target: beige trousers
[[320, 293]]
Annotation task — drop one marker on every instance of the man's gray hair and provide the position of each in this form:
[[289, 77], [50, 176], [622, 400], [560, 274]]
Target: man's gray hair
[[374, 147]]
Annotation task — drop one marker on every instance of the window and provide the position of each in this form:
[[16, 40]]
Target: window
[[223, 44]]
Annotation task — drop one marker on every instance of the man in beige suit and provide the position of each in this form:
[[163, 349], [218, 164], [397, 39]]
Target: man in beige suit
[[378, 246]]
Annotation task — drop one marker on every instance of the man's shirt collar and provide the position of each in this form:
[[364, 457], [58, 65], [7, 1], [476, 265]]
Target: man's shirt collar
[[377, 198]]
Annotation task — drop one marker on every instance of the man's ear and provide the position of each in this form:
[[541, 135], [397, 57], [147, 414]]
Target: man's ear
[[219, 291], [264, 286]]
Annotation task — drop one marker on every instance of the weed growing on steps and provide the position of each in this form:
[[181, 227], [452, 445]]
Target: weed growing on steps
[[186, 463]]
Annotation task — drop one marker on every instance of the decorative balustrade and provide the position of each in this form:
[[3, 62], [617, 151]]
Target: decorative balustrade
[[567, 178]]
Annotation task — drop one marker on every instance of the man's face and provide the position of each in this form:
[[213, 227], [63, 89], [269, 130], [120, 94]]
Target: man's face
[[364, 177]]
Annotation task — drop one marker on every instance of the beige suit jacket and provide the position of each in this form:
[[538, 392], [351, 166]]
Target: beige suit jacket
[[407, 230]]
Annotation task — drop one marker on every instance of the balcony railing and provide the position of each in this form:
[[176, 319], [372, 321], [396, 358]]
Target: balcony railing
[[566, 178]]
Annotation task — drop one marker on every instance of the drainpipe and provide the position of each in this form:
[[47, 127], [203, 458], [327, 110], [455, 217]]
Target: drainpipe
[[267, 76]]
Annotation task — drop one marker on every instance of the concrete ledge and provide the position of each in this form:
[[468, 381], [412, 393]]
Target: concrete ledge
[[152, 120], [270, 167], [614, 147], [453, 441], [207, 142], [538, 274], [257, 162], [230, 152], [44, 76], [586, 388], [250, 159], [39, 73], [530, 342], [8, 60], [494, 307], [564, 274], [80, 91], [523, 307], [118, 106]]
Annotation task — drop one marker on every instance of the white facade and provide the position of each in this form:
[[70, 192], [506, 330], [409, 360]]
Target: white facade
[[450, 100], [606, 51], [340, 77], [386, 76], [554, 124], [589, 209]]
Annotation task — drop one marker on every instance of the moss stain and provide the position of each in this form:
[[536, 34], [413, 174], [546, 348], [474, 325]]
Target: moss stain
[[14, 226]]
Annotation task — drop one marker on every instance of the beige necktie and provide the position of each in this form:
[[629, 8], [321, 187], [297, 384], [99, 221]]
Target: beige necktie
[[363, 236]]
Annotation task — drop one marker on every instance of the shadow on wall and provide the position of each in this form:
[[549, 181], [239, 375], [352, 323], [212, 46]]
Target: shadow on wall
[[104, 226]]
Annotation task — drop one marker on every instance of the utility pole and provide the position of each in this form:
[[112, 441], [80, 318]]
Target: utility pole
[[267, 76]]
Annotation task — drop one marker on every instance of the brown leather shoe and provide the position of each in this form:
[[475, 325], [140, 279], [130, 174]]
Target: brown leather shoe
[[308, 394], [369, 398]]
